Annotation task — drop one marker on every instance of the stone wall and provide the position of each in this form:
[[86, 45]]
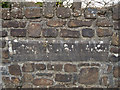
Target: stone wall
[[60, 47]]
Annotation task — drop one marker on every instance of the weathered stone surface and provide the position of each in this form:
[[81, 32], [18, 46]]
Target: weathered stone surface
[[17, 13], [18, 32], [75, 23], [104, 23], [63, 77], [42, 81], [28, 67], [66, 51], [6, 13], [49, 10], [104, 81], [104, 32], [34, 29], [115, 50], [15, 70], [32, 12], [50, 32], [27, 85], [83, 64], [28, 78], [116, 72], [15, 80], [63, 12], [88, 32], [87, 23], [76, 6], [117, 25], [40, 66], [115, 39], [6, 80], [13, 24], [56, 23], [55, 67], [17, 4], [114, 58], [69, 33], [31, 4], [5, 54], [2, 43], [3, 33], [70, 68], [116, 12], [90, 13], [88, 76]]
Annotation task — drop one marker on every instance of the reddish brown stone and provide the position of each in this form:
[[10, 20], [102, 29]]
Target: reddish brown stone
[[69, 33], [89, 76], [42, 81], [95, 64], [116, 72], [70, 68], [5, 54], [56, 67], [104, 23], [75, 23], [18, 32], [40, 66], [34, 29], [32, 12], [6, 79], [63, 78], [104, 32], [28, 78], [109, 69], [28, 67], [56, 23], [15, 70]]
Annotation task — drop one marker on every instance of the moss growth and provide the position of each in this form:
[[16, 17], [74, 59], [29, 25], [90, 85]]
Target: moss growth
[[40, 3], [59, 3], [5, 4]]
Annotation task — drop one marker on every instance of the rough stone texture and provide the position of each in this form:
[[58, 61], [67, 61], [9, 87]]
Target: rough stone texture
[[88, 76], [28, 78], [90, 13], [18, 32], [3, 33], [6, 13], [13, 24], [63, 78], [104, 32], [75, 23], [64, 51], [53, 46], [56, 23], [69, 33], [42, 81], [34, 29], [63, 12], [32, 12], [40, 66], [15, 70], [116, 12], [117, 25], [88, 32], [104, 23], [70, 68], [50, 32], [56, 67], [116, 72], [17, 13], [49, 10], [28, 67]]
